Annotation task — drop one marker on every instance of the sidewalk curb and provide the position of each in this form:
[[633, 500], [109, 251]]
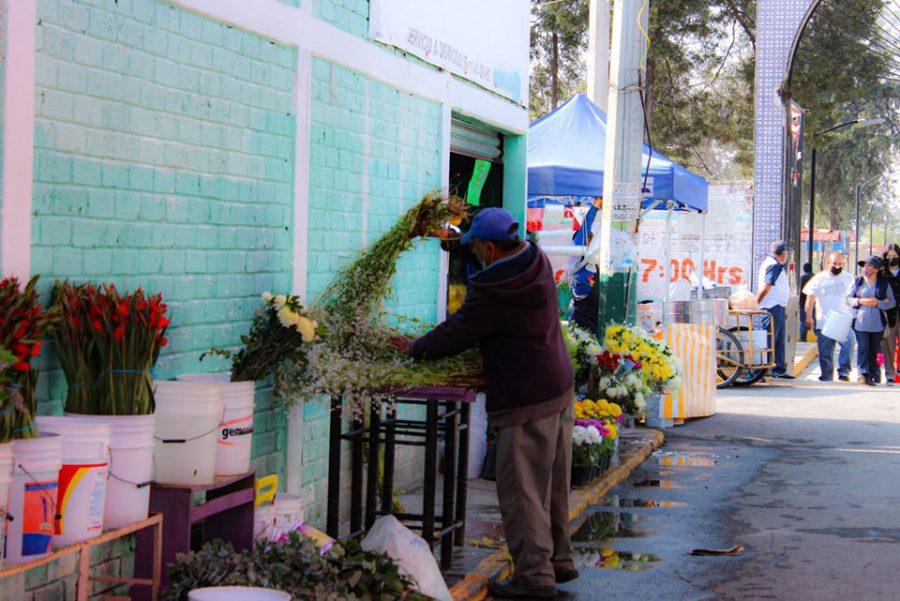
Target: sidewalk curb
[[474, 585], [803, 362]]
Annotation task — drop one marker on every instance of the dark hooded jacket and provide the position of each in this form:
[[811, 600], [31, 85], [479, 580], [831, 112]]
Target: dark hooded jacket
[[512, 312]]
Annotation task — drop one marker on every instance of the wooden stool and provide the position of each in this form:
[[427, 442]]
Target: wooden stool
[[227, 513]]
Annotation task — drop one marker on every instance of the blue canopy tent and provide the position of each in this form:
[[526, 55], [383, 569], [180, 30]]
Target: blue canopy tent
[[566, 154], [566, 159]]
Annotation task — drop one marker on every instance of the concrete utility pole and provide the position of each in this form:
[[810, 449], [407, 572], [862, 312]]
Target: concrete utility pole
[[598, 53], [617, 254]]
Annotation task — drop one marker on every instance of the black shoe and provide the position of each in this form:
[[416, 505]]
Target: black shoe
[[510, 589], [871, 382], [844, 378], [565, 575], [782, 377], [822, 379]]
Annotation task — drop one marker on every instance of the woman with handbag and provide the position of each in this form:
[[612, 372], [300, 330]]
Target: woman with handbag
[[892, 331], [869, 297]]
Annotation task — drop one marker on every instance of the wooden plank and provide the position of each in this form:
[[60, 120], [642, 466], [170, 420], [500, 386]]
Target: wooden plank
[[24, 567], [219, 482], [220, 504], [112, 580]]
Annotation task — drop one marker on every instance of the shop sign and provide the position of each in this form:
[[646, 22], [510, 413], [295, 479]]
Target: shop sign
[[484, 42]]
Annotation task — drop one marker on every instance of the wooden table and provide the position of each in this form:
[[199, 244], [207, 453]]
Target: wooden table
[[152, 583]]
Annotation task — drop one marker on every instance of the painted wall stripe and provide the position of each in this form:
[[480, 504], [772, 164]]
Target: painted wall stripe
[[18, 138]]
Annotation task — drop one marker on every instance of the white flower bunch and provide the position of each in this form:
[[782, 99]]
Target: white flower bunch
[[582, 435], [292, 315]]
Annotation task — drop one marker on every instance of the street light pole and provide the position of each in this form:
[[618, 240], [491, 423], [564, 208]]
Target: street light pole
[[856, 123]]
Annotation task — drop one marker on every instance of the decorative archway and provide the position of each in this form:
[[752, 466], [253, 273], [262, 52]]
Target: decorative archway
[[779, 25]]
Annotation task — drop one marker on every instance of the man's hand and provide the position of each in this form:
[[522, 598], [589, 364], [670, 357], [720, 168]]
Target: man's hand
[[402, 344], [809, 323], [868, 302]]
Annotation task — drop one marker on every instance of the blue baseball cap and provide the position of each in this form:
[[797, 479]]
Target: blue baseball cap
[[492, 224]]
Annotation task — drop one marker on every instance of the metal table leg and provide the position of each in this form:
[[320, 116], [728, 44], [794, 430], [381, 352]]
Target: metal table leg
[[431, 431], [372, 472], [448, 512], [334, 469], [462, 482]]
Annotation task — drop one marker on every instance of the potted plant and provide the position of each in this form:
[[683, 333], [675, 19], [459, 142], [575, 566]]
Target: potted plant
[[107, 343], [273, 347], [593, 441], [658, 367], [34, 457]]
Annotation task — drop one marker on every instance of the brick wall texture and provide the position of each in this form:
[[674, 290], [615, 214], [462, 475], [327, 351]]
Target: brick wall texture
[[164, 159]]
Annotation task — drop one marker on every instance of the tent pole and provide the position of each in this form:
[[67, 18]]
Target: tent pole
[[702, 249], [668, 262]]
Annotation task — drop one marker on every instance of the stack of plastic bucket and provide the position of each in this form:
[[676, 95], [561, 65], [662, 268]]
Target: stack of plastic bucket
[[236, 430], [188, 415], [82, 479], [32, 497], [130, 466]]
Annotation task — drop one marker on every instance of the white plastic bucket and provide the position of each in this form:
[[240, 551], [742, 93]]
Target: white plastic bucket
[[237, 593], [6, 463], [130, 466], [82, 478], [286, 511], [477, 437], [187, 428], [236, 430], [837, 325], [32, 497]]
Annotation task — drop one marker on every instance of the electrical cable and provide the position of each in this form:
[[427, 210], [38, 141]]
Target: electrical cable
[[853, 43], [825, 15], [856, 18]]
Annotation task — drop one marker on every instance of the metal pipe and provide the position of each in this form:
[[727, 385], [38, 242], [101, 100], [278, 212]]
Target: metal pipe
[[669, 206], [856, 237], [812, 206], [703, 251]]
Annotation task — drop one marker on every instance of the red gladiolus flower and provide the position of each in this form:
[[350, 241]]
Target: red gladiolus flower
[[97, 325], [119, 333], [21, 350], [21, 366], [162, 323], [164, 342], [36, 349]]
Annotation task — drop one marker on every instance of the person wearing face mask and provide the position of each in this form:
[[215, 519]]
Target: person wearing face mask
[[870, 296], [511, 313], [892, 331], [825, 293]]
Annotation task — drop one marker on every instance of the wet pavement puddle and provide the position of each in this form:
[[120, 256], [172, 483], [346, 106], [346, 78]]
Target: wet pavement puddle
[[629, 502], [604, 525], [685, 459], [655, 483], [610, 559]]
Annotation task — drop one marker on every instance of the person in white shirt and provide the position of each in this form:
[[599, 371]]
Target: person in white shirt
[[773, 295], [826, 291]]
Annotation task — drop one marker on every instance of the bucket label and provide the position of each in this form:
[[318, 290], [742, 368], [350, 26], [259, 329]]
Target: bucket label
[[86, 483], [38, 517], [241, 426]]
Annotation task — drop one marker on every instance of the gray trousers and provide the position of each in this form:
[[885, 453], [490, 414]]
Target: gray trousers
[[534, 465], [888, 342]]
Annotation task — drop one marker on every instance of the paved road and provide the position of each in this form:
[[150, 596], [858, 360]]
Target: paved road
[[806, 477]]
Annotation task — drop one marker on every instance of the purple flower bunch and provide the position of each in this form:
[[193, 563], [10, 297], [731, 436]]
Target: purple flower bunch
[[593, 423]]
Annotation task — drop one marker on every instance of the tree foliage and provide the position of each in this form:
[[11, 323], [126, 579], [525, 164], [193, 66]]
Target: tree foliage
[[558, 41], [846, 67]]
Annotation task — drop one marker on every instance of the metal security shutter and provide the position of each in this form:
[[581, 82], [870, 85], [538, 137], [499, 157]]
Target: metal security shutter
[[475, 141]]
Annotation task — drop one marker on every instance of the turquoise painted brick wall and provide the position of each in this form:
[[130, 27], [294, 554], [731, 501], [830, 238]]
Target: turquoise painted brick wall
[[164, 158], [373, 152], [350, 15]]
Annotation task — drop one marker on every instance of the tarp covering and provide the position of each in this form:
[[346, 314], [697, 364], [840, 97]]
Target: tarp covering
[[566, 150]]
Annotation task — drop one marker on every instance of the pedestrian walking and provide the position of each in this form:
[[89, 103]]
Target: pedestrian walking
[[773, 295], [805, 316], [826, 292], [892, 331], [870, 296], [583, 276], [511, 313]]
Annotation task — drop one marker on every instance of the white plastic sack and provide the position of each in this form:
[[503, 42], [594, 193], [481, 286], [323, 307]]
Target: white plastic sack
[[743, 299], [410, 551]]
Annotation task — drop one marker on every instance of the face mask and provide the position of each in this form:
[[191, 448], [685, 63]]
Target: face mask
[[895, 262], [837, 270]]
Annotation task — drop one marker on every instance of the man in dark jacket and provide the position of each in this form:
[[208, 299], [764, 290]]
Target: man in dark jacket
[[511, 313]]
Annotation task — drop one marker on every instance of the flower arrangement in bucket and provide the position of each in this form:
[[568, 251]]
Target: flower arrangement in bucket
[[594, 438], [619, 377], [108, 343], [24, 324], [659, 366]]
